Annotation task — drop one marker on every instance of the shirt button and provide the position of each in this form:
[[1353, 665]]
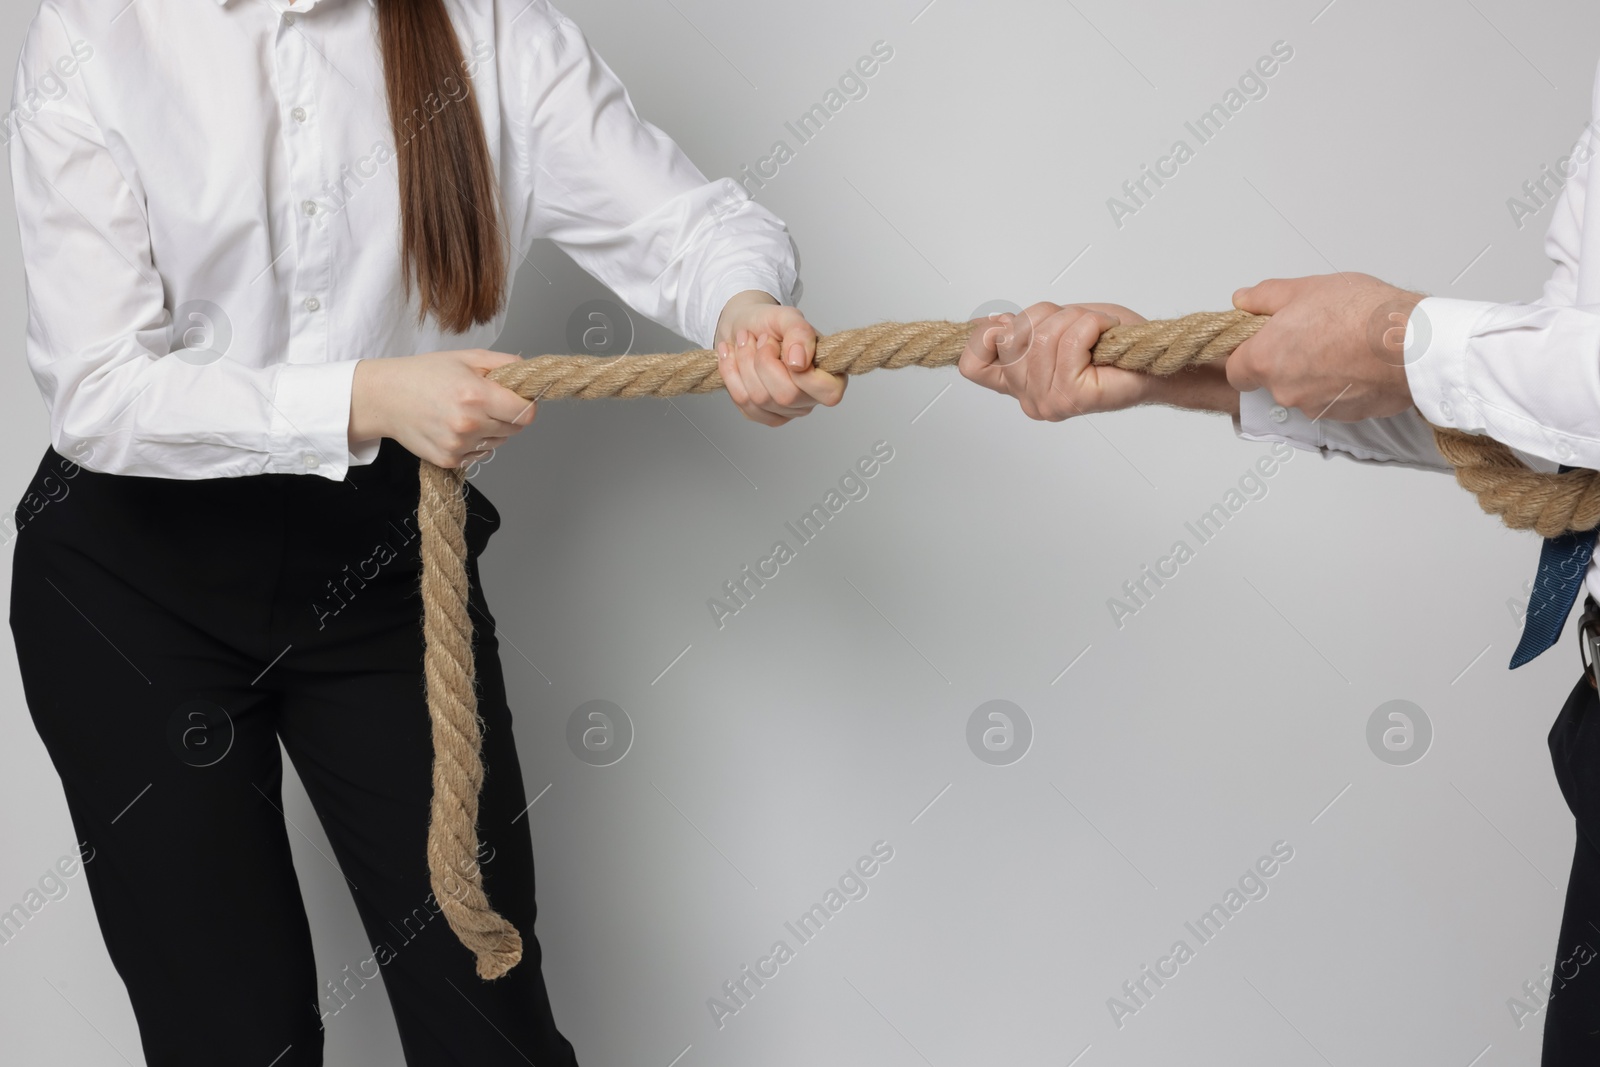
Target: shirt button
[[288, 18], [1279, 414], [1445, 409], [311, 461], [1563, 450], [309, 207], [313, 304], [298, 114]]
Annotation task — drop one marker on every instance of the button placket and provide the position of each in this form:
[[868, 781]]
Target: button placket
[[301, 78]]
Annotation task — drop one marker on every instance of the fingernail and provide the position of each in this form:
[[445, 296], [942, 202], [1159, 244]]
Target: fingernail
[[797, 355]]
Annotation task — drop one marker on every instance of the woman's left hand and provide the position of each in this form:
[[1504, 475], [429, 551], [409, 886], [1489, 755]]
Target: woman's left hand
[[765, 350]]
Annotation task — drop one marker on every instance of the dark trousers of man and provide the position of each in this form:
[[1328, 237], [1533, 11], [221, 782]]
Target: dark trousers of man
[[1572, 1018], [170, 634]]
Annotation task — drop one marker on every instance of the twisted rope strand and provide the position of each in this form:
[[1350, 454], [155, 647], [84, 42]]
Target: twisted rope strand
[[1547, 503]]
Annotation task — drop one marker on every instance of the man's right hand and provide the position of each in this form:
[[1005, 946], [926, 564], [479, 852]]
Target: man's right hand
[[439, 405]]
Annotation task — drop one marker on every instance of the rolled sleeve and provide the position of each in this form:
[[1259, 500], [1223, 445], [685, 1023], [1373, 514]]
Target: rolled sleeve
[[1527, 375]]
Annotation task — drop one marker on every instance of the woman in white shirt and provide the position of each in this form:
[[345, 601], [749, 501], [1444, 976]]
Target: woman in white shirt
[[267, 243]]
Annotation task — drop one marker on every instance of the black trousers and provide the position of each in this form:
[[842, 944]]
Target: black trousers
[[1572, 1016], [170, 634]]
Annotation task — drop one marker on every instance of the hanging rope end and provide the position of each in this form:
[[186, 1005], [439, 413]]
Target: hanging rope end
[[495, 962]]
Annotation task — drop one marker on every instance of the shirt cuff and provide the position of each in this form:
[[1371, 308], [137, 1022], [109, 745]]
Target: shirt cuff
[[1438, 332], [1403, 440], [1261, 418], [311, 420]]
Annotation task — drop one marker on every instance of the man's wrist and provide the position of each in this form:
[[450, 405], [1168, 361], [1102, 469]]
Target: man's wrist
[[1196, 389]]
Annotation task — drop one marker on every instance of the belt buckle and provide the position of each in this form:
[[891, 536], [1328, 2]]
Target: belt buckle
[[1589, 642]]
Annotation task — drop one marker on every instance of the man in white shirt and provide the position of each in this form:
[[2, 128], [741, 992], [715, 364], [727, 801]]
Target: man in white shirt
[[1352, 365]]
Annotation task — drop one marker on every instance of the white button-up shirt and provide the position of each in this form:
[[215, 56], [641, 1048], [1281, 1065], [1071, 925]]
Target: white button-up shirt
[[1526, 374], [208, 204]]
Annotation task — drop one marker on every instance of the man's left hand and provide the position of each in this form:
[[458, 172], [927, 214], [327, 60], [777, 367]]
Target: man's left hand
[[1335, 346]]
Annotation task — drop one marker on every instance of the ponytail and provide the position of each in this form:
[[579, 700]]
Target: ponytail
[[450, 238]]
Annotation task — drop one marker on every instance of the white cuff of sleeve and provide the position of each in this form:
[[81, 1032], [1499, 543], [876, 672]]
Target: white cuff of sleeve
[[1261, 418], [1437, 335], [365, 452], [311, 420]]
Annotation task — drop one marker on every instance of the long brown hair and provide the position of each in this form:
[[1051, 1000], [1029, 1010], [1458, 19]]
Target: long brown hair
[[450, 236]]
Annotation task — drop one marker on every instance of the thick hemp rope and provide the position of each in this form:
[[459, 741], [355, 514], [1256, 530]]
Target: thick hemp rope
[[1524, 499]]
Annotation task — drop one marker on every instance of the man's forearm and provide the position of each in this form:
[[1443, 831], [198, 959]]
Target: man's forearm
[[1197, 389]]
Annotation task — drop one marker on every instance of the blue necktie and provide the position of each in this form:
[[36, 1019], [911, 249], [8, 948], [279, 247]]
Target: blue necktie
[[1562, 564]]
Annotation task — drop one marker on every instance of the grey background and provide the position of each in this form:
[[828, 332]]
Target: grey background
[[1228, 715]]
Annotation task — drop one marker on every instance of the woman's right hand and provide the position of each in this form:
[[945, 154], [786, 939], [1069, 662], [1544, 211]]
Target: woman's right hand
[[439, 405]]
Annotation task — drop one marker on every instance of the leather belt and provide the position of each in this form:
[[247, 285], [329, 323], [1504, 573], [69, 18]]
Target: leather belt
[[1589, 641]]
